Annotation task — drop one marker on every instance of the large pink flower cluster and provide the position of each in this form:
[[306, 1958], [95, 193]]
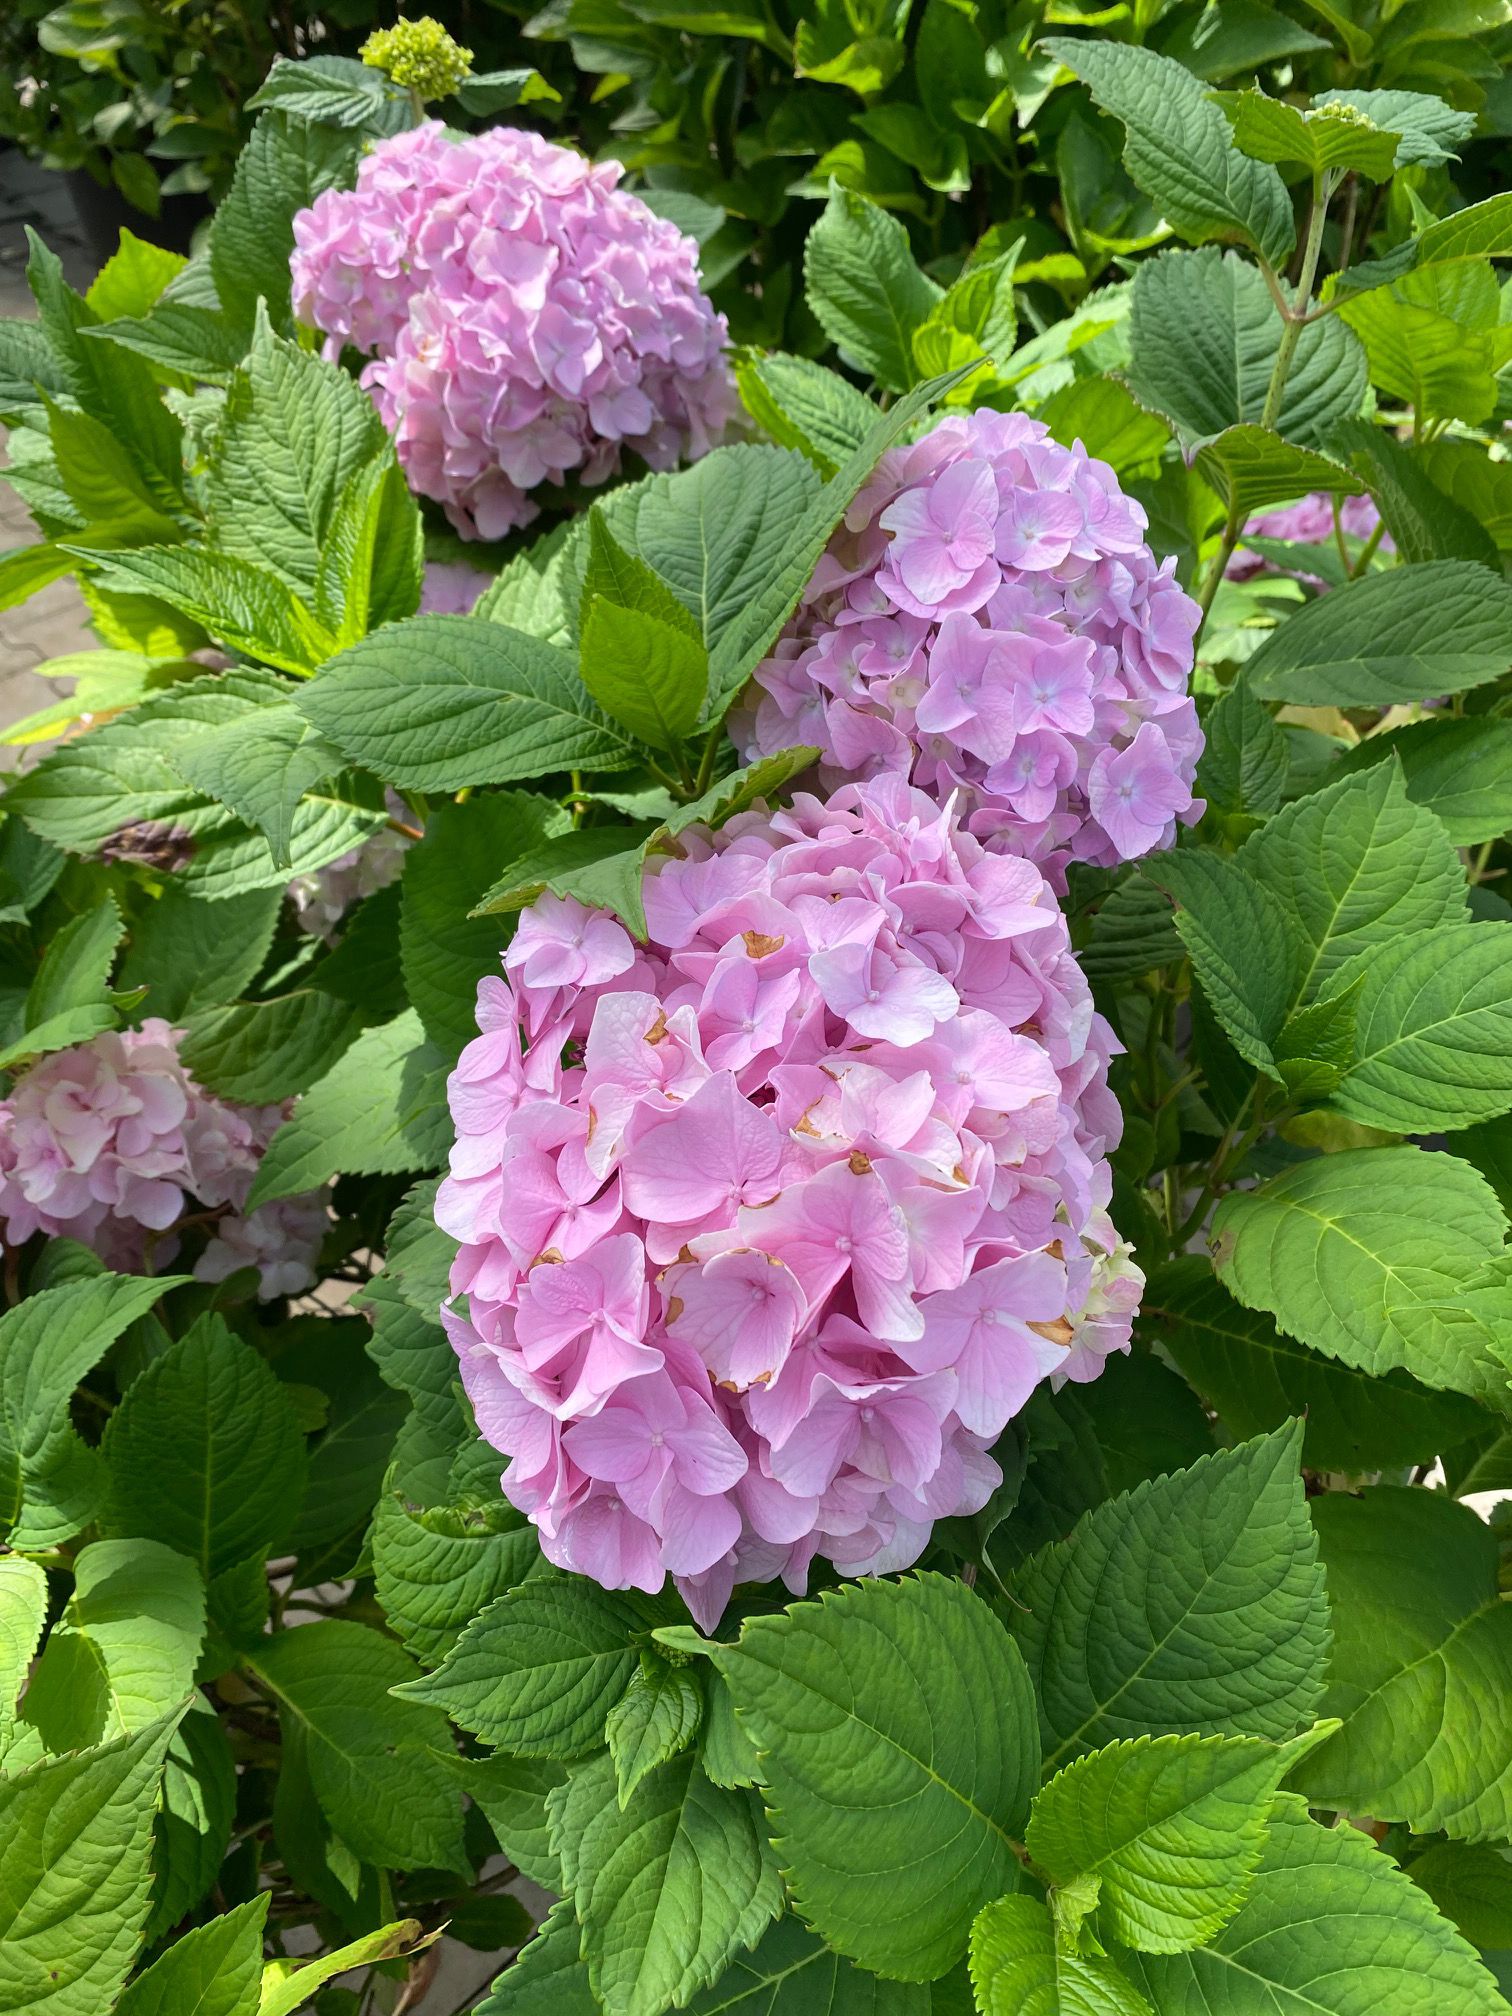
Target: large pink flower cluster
[[770, 1226], [526, 318], [109, 1142], [989, 621]]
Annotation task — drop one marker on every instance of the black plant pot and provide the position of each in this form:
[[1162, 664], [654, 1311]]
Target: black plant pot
[[104, 213]]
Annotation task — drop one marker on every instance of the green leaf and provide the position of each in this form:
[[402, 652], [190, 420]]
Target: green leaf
[[101, 479], [1244, 766], [1245, 948], [75, 970], [1203, 335], [334, 91], [1019, 1969], [193, 1826], [123, 1653], [364, 1117], [187, 952], [1430, 129], [1460, 770], [1103, 414], [1433, 1031], [264, 1051], [511, 1793], [294, 432], [413, 1356], [260, 766], [1421, 1666], [419, 1254], [249, 608], [204, 1452], [621, 578], [896, 1730], [651, 676], [1177, 147], [193, 342], [548, 1978], [351, 1454], [282, 169], [1328, 1917], [1193, 1604], [1170, 1827], [1386, 1258], [58, 1032], [667, 1889], [436, 1570], [1256, 1377], [446, 701], [372, 566], [1480, 231], [802, 405], [445, 949], [601, 866], [865, 287], [289, 1984], [117, 791], [1428, 360], [1327, 136], [47, 1344], [657, 1717], [213, 1970], [1252, 469], [1471, 1886], [1356, 866], [605, 865], [74, 1876], [109, 385], [791, 1973], [1424, 523], [537, 1672], [376, 1761], [23, 1609]]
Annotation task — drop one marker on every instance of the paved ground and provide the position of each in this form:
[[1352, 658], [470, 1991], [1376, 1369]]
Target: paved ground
[[53, 621]]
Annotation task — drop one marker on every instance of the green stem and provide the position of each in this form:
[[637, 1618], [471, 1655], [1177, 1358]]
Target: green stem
[[1291, 328], [417, 106], [1232, 526], [1368, 552]]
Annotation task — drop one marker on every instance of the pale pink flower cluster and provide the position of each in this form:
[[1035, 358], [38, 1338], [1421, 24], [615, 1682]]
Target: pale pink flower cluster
[[1310, 522], [526, 319], [989, 621], [112, 1141], [771, 1225]]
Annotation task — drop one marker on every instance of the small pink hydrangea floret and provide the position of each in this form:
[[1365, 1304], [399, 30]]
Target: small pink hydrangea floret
[[768, 1227], [526, 319], [112, 1141], [990, 622]]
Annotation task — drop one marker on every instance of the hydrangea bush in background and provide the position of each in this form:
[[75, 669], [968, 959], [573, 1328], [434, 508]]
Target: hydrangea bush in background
[[850, 1308]]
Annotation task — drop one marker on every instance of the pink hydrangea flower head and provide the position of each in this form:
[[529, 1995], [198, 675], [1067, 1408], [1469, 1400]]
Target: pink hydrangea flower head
[[990, 623], [111, 1142], [525, 319], [768, 1227]]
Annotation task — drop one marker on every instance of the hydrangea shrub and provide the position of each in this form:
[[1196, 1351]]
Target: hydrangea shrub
[[754, 1167]]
